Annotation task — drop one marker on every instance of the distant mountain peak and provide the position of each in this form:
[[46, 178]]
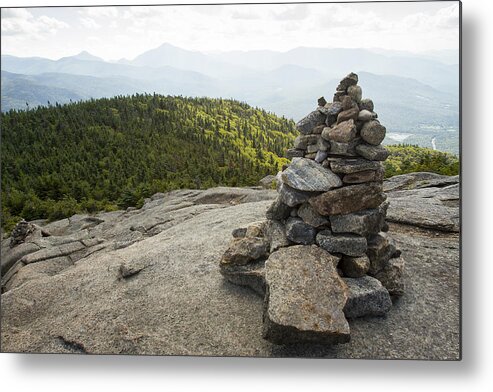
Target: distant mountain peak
[[84, 55]]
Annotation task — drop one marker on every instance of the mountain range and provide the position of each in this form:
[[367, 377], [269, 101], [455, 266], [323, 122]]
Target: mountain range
[[412, 93]]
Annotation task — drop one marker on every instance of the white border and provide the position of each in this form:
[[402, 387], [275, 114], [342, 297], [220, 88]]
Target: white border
[[62, 373]]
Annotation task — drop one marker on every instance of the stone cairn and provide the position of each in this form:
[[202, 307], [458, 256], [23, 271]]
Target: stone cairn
[[323, 255]]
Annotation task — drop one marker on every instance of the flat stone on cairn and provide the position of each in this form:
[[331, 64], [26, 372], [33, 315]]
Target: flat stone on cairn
[[322, 255]]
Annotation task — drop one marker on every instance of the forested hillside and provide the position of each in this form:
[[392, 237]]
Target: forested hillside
[[112, 153], [108, 154], [405, 158]]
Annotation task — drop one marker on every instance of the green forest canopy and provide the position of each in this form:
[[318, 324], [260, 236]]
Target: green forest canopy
[[112, 153]]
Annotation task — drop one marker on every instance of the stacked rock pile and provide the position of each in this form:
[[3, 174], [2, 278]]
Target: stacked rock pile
[[323, 254]]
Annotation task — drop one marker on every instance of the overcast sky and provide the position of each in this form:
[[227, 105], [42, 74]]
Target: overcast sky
[[124, 32]]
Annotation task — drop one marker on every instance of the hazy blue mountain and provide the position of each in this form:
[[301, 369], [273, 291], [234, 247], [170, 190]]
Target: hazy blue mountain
[[404, 104], [446, 56], [77, 66], [84, 55], [169, 55], [414, 94], [17, 90], [62, 87], [335, 62], [331, 63]]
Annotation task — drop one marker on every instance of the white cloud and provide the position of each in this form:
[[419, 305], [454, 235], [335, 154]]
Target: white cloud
[[100, 12], [245, 14], [90, 23], [444, 18], [129, 31], [18, 22], [448, 17], [141, 12], [10, 13], [290, 12]]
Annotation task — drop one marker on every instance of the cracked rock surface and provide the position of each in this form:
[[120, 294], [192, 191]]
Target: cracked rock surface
[[159, 290]]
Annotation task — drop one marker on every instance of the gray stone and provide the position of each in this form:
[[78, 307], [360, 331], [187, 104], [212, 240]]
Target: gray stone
[[366, 115], [185, 281], [321, 101], [391, 276], [348, 166], [249, 275], [129, 269], [86, 252], [425, 200], [8, 280], [293, 197], [305, 297], [318, 129], [303, 141], [348, 199], [364, 176], [92, 242], [311, 156], [349, 80], [321, 156], [37, 271], [355, 93], [373, 132], [20, 232], [312, 148], [338, 95], [373, 153], [364, 222], [354, 267], [293, 152], [275, 234], [299, 232], [56, 251], [347, 102], [366, 104], [351, 114], [347, 244], [323, 145], [223, 196], [278, 210], [426, 213], [311, 217], [306, 124], [330, 121], [344, 149], [367, 297], [156, 196], [256, 229], [245, 250], [308, 176], [268, 182], [381, 248], [12, 255], [419, 180], [343, 132], [334, 108]]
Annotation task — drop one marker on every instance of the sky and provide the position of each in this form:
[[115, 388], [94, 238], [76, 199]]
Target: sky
[[124, 32]]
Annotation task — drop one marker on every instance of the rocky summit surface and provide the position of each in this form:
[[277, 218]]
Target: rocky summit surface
[[147, 281]]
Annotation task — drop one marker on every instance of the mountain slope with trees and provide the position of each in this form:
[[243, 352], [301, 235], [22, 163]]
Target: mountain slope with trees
[[113, 153]]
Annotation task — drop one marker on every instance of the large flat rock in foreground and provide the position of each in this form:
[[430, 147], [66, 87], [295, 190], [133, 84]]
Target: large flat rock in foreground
[[305, 297], [424, 200], [162, 292]]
